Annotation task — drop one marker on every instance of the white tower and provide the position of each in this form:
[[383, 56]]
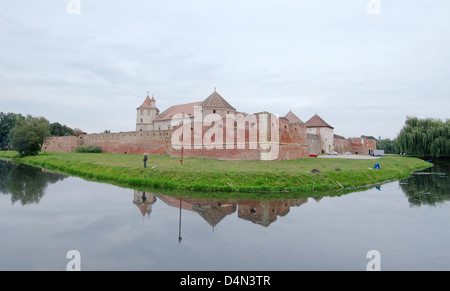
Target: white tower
[[146, 113]]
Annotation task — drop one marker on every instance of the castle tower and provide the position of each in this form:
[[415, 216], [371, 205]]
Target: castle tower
[[146, 114], [316, 125], [216, 104]]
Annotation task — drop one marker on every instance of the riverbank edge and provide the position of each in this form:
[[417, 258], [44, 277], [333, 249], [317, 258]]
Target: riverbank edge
[[234, 181]]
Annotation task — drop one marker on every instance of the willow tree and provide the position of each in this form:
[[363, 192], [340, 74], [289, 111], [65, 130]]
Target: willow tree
[[425, 137]]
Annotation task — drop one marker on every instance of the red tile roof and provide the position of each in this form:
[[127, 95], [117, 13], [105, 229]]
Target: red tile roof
[[146, 103], [316, 121], [187, 109], [216, 101]]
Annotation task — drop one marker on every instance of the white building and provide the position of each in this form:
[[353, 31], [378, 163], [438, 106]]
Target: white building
[[146, 114]]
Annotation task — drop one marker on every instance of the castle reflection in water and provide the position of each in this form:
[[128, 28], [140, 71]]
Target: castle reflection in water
[[262, 212]]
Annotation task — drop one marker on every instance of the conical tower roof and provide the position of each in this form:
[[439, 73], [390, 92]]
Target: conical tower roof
[[317, 121], [216, 101], [146, 104]]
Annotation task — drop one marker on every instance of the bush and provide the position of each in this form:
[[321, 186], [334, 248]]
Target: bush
[[88, 149]]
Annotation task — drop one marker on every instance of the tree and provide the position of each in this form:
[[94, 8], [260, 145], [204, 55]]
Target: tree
[[78, 132], [369, 137], [28, 135], [56, 129], [7, 122], [425, 137], [387, 145]]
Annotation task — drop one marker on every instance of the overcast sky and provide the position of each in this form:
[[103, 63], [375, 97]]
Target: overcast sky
[[363, 73]]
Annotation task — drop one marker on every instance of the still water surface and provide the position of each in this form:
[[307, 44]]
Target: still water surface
[[44, 215]]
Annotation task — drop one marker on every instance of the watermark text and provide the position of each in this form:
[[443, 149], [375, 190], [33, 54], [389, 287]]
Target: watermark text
[[73, 7], [75, 260]]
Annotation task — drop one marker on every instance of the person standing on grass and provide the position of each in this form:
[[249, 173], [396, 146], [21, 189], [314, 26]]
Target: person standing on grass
[[145, 160]]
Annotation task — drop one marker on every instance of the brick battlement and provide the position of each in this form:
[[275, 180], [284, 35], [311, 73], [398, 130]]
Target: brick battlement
[[292, 143]]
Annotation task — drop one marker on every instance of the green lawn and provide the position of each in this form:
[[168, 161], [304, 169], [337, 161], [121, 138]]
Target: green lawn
[[215, 175]]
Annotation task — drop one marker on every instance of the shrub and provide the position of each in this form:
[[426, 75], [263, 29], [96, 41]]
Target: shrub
[[88, 149]]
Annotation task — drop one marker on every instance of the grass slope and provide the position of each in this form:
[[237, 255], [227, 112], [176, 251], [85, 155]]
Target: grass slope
[[215, 175]]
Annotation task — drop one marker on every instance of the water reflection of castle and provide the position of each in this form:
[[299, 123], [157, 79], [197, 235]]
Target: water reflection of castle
[[262, 212], [144, 201]]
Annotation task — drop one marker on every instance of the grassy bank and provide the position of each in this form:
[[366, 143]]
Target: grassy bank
[[214, 175]]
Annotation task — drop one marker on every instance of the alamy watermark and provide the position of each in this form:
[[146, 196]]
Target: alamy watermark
[[73, 7], [374, 7], [375, 260], [262, 130], [75, 260]]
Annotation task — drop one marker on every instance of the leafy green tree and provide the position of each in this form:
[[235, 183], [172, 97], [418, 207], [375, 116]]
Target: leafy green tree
[[387, 145], [369, 137], [56, 129], [28, 135], [425, 137], [7, 122]]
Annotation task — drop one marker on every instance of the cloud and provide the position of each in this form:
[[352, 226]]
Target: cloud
[[93, 69]]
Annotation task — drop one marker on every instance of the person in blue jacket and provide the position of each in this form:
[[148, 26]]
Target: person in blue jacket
[[377, 166]]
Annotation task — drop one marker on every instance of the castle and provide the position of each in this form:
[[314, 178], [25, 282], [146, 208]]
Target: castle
[[212, 128]]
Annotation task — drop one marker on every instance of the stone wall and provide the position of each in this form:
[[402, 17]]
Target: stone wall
[[136, 142], [241, 144], [361, 145], [199, 142], [314, 143], [341, 145], [60, 144]]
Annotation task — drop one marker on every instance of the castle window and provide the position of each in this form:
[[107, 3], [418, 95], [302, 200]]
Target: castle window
[[148, 112], [142, 120], [214, 111], [142, 112]]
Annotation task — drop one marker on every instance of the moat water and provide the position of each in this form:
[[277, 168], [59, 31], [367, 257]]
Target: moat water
[[44, 215]]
